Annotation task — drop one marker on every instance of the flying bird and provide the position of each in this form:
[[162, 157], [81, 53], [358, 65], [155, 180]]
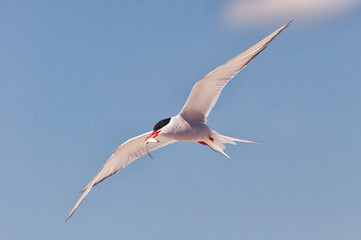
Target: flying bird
[[189, 125]]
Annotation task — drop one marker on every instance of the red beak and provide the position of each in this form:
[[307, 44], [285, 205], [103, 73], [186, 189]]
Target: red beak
[[153, 135]]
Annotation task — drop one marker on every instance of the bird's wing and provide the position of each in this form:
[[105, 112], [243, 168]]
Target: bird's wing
[[122, 156], [206, 91]]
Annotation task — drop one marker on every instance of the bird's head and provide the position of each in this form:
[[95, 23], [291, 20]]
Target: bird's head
[[157, 129]]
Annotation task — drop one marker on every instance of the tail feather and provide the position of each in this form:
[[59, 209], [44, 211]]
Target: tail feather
[[225, 154], [232, 140]]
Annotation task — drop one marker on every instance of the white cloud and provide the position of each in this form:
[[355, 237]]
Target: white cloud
[[261, 12]]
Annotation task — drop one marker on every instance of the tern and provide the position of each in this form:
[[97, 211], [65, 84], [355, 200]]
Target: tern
[[189, 125]]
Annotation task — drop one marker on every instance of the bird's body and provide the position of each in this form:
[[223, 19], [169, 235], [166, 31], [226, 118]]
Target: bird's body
[[194, 130], [189, 125], [181, 129]]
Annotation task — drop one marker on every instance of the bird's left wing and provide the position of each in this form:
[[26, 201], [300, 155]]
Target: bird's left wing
[[206, 91], [122, 156]]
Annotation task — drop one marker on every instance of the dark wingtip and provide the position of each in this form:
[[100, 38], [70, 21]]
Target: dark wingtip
[[289, 23]]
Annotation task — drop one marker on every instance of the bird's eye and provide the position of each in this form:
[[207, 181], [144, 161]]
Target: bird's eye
[[161, 124]]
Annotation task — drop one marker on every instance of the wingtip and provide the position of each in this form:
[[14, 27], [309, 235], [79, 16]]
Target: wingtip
[[70, 214], [286, 25]]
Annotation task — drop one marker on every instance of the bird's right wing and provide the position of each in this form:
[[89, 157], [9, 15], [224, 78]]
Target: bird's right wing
[[122, 156], [206, 91]]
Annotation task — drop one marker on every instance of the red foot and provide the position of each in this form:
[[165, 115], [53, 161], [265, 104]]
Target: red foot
[[203, 143], [210, 138]]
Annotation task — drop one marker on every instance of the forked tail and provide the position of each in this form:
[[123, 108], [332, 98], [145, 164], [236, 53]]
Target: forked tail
[[217, 141]]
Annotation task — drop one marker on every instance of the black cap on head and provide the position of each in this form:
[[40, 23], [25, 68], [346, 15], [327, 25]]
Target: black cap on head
[[161, 124]]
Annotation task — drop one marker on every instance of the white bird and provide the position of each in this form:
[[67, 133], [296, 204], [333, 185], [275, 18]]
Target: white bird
[[189, 125]]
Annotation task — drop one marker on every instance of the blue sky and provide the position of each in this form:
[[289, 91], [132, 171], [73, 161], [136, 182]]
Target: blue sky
[[78, 78]]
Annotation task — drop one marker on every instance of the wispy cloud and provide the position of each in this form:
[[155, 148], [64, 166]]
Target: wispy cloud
[[260, 12]]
